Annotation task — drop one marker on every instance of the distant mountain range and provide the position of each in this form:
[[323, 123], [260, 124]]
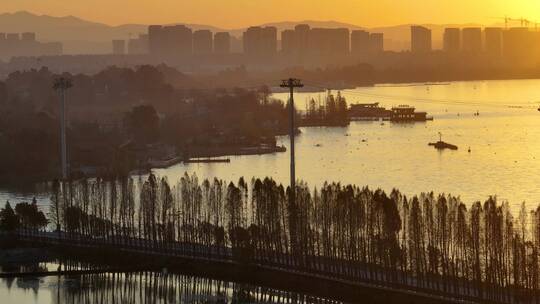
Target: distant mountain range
[[86, 37]]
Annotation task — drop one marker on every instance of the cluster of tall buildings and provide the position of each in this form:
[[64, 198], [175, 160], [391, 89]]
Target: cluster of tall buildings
[[26, 44], [139, 45], [171, 42], [133, 46], [365, 42], [304, 40], [496, 41], [260, 41]]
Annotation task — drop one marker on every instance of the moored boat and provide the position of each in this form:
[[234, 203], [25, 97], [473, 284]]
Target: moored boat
[[441, 145]]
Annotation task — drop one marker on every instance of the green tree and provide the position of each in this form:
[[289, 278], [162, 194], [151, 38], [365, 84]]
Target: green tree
[[8, 218], [30, 216], [143, 123]]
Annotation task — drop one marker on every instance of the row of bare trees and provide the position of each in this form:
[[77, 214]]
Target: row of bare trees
[[427, 242]]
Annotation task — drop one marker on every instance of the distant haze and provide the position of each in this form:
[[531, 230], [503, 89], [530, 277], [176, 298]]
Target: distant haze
[[87, 37], [242, 13]]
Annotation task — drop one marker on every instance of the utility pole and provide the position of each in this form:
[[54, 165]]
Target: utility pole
[[62, 85], [292, 83]]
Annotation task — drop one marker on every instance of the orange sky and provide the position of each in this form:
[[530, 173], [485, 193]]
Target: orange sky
[[240, 13]]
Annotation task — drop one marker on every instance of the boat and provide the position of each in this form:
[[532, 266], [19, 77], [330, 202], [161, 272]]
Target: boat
[[374, 112], [207, 160], [368, 111], [405, 113], [441, 145]]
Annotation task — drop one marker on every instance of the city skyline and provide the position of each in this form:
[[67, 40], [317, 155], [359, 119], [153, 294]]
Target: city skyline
[[241, 13]]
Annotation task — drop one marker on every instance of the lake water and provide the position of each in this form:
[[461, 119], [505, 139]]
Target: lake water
[[504, 141], [135, 288]]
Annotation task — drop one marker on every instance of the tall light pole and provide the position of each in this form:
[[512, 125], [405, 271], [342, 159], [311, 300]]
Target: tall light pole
[[292, 83], [62, 85]]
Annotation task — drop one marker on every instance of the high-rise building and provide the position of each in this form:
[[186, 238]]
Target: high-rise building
[[26, 45], [202, 42], [269, 39], [156, 40], [452, 40], [472, 40], [179, 40], [260, 41], [376, 42], [537, 45], [493, 40], [52, 49], [288, 42], [295, 41], [326, 41], [518, 44], [28, 37], [250, 40], [138, 45], [119, 47], [170, 42], [13, 36], [302, 37], [359, 42], [420, 39], [222, 43]]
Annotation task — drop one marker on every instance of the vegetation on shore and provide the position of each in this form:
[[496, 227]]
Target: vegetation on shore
[[24, 215], [121, 118], [333, 111]]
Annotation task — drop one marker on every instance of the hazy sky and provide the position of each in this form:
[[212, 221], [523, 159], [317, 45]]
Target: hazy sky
[[239, 13]]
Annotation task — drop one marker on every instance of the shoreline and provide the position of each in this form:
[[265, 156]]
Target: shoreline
[[404, 83], [247, 273], [9, 180]]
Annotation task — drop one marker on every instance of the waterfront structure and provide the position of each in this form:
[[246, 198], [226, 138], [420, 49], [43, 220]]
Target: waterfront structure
[[222, 43], [202, 42], [472, 40], [420, 39], [359, 42], [493, 41], [452, 40], [118, 47]]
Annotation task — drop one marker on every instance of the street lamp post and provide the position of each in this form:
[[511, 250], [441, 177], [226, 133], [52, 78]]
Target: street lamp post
[[62, 85]]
